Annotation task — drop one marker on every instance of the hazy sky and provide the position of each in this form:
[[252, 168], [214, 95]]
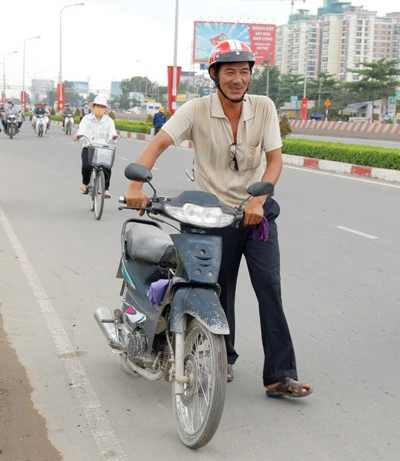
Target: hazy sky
[[103, 39]]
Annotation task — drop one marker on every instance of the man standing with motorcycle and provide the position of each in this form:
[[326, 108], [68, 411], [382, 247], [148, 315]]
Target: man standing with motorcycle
[[231, 132]]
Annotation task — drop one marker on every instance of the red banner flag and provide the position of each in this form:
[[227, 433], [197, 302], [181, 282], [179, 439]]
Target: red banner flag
[[3, 98], [23, 98], [60, 96], [171, 93], [304, 109]]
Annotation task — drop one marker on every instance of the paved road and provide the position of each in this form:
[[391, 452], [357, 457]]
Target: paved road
[[337, 138], [340, 251]]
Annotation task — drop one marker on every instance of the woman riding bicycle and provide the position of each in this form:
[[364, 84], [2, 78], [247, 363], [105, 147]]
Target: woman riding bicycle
[[99, 128]]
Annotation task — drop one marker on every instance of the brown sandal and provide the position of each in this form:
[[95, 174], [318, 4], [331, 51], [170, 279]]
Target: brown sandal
[[230, 372], [291, 389]]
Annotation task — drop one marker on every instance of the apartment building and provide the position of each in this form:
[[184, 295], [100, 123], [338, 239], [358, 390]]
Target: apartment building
[[335, 42]]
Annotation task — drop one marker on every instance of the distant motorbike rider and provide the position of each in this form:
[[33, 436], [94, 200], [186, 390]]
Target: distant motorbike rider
[[85, 110], [2, 113], [9, 109], [67, 112], [47, 112], [40, 110]]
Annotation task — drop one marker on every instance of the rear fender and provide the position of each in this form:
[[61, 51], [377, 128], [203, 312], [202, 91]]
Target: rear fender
[[201, 303]]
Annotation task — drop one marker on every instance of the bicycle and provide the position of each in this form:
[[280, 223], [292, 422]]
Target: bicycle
[[101, 157]]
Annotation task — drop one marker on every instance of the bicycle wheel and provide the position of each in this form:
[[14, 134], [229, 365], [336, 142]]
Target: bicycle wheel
[[91, 190], [99, 190], [198, 411]]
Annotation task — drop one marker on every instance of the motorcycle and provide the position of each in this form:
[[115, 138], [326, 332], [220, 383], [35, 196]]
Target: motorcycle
[[41, 124], [12, 128], [171, 324], [68, 124]]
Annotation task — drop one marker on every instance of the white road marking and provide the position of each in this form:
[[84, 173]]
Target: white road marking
[[98, 423], [368, 236], [123, 158], [332, 173]]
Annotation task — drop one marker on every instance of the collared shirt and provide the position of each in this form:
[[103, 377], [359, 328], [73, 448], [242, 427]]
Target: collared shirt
[[203, 121], [98, 131]]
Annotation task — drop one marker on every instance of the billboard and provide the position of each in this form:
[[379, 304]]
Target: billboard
[[259, 37], [81, 87], [116, 91]]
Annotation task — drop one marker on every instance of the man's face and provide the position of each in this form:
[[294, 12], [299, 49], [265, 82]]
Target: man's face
[[234, 78]]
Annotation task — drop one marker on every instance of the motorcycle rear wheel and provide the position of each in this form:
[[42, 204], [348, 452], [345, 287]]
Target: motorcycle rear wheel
[[198, 411]]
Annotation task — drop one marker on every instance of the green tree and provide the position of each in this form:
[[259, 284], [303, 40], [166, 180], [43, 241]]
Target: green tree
[[284, 126], [323, 87], [290, 85], [260, 80], [378, 80]]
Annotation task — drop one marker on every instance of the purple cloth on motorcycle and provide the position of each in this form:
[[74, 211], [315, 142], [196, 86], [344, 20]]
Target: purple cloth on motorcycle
[[157, 291], [261, 230]]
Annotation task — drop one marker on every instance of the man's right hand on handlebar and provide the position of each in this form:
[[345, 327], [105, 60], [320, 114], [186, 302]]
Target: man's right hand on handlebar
[[135, 197]]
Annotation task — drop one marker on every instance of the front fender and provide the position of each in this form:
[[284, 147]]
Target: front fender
[[201, 303]]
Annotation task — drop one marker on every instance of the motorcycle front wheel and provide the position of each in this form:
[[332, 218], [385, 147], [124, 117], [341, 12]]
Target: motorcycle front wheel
[[198, 411], [10, 131]]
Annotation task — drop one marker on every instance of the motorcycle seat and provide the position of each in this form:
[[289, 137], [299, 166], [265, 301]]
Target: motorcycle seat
[[149, 244]]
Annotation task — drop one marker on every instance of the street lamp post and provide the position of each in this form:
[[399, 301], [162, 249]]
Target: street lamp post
[[61, 11], [145, 66], [268, 67], [175, 68], [4, 70], [23, 64]]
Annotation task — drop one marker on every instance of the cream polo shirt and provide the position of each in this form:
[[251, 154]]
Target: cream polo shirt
[[203, 122]]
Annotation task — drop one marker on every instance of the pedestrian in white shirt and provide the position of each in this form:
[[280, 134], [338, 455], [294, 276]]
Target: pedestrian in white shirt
[[99, 128]]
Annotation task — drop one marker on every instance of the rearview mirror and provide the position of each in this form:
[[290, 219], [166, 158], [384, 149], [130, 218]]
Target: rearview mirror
[[261, 188], [136, 172]]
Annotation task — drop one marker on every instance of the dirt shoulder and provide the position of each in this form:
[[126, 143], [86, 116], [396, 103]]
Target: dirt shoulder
[[23, 432]]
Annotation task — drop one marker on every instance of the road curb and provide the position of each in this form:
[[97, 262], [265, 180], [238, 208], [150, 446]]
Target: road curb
[[305, 162], [343, 168]]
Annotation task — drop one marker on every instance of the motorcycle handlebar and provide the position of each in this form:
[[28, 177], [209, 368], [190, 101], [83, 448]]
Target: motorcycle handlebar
[[157, 208]]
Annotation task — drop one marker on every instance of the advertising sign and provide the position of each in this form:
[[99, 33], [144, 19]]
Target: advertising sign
[[116, 91], [81, 87], [259, 37]]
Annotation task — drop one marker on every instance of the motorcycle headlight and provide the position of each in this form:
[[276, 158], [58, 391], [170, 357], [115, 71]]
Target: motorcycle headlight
[[200, 216]]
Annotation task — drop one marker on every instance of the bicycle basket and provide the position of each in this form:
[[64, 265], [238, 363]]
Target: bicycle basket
[[101, 155]]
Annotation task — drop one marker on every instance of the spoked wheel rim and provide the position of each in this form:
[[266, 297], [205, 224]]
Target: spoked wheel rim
[[199, 410], [99, 190]]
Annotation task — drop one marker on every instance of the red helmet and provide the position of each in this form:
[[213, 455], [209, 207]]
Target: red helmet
[[231, 51]]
